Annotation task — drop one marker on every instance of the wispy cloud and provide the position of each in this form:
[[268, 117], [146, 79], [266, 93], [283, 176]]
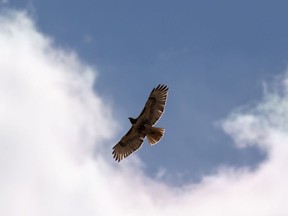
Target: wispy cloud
[[4, 1], [51, 121], [87, 39]]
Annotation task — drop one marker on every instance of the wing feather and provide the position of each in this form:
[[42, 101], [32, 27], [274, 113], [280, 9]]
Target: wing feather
[[155, 105], [129, 143]]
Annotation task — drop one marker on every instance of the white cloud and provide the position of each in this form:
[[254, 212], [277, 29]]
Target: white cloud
[[51, 122]]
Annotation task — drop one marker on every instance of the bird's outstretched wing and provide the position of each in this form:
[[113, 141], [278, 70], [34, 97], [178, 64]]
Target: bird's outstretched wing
[[128, 144], [155, 105]]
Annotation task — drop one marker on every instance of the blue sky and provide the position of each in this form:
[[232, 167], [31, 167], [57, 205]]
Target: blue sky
[[72, 72], [214, 55]]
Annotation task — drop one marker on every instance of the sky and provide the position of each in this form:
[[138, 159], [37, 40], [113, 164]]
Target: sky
[[73, 72]]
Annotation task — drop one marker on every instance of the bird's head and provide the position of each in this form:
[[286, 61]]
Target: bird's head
[[132, 120]]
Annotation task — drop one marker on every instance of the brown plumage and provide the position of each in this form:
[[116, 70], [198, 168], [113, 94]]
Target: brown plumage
[[143, 125]]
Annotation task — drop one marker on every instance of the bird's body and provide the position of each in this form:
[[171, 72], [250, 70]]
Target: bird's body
[[143, 125]]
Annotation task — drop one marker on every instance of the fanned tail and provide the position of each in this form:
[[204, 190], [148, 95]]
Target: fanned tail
[[154, 134]]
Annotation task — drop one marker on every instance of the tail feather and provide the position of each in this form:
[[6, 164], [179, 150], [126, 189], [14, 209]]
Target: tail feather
[[154, 134]]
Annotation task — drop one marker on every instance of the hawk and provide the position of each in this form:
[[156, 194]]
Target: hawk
[[143, 125]]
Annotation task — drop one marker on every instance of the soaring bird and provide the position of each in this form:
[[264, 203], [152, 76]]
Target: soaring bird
[[143, 125]]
